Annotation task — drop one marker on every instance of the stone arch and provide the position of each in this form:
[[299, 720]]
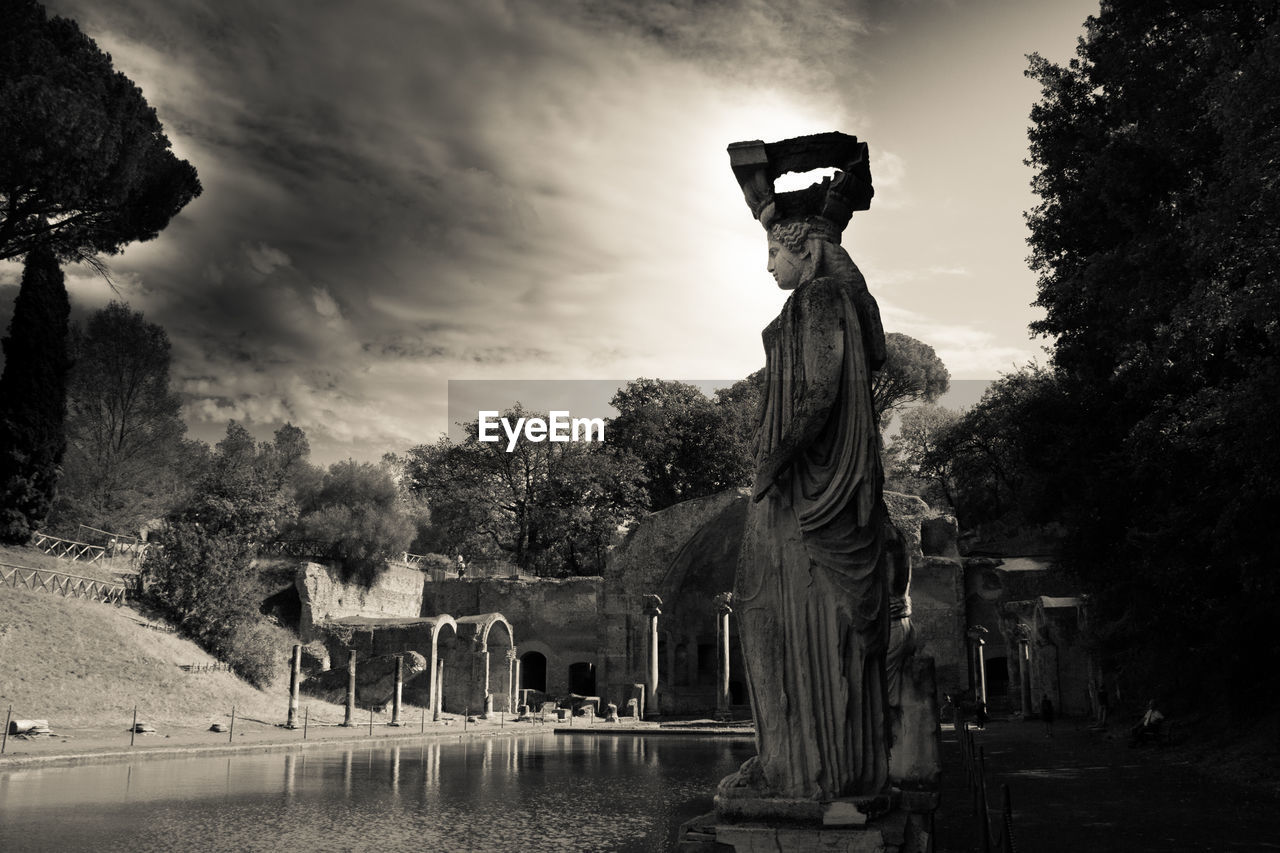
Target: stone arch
[[478, 666]]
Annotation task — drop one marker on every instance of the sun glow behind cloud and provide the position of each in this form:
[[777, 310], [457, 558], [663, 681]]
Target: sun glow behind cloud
[[406, 193]]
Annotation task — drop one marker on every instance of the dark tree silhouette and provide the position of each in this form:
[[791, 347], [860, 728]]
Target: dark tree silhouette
[[1155, 243], [32, 398], [85, 167], [912, 373]]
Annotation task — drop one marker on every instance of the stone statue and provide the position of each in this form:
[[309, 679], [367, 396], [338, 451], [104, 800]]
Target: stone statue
[[812, 592]]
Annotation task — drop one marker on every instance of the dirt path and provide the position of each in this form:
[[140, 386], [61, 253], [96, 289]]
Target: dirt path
[[1086, 791]]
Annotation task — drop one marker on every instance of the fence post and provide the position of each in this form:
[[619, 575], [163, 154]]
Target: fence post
[[1006, 836], [984, 829], [5, 741], [133, 730], [306, 718], [370, 721], [232, 730]]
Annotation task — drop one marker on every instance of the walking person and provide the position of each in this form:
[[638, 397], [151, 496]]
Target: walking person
[[1046, 714], [1103, 708]]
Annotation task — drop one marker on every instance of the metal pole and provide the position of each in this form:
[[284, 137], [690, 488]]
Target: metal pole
[[231, 732], [423, 726], [133, 730], [465, 714], [4, 741], [370, 721], [306, 718]]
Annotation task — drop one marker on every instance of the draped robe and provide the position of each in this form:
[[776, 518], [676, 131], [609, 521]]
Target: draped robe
[[811, 590]]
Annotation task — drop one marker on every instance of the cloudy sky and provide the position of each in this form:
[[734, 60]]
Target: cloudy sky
[[402, 192]]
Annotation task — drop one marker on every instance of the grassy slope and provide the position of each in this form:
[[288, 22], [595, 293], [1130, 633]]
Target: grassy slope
[[80, 663]]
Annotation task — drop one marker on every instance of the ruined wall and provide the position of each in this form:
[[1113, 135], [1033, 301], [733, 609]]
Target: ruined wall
[[937, 593], [558, 618], [653, 559], [395, 594]]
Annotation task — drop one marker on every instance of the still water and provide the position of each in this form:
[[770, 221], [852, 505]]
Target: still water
[[562, 793]]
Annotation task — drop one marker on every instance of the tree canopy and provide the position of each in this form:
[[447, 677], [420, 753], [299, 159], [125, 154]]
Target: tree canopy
[[688, 445], [912, 373], [551, 509], [125, 459], [358, 510], [1155, 151], [85, 167]]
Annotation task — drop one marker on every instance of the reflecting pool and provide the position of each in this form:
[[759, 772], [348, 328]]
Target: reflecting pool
[[547, 792]]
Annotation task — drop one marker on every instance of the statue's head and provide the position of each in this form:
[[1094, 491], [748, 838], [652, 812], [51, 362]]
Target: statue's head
[[798, 249]]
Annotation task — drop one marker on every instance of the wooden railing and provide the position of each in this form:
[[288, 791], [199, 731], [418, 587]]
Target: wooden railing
[[66, 549], [59, 583], [206, 667]]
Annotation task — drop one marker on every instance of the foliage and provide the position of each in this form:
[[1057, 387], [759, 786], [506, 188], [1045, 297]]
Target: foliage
[[1155, 244], [84, 163], [201, 579], [552, 508], [244, 493], [357, 507], [32, 398], [126, 460], [912, 373], [688, 446], [914, 461]]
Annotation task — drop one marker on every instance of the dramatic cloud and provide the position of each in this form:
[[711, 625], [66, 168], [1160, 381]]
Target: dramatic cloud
[[402, 193]]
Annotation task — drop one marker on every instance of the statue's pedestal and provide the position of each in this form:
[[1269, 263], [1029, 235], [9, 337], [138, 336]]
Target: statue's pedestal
[[898, 831], [899, 822]]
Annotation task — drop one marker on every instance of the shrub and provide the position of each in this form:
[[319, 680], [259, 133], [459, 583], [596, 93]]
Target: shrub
[[205, 582], [357, 508]]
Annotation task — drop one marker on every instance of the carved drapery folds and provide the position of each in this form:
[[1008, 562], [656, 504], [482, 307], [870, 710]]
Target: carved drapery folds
[[822, 571]]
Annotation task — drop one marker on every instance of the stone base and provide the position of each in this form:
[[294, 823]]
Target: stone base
[[898, 831], [745, 804]]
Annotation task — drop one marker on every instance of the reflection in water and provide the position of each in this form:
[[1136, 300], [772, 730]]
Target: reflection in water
[[556, 793]]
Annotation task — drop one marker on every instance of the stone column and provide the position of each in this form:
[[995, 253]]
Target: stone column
[[433, 697], [438, 685], [295, 672], [349, 719], [652, 609], [486, 698], [397, 698], [513, 679], [975, 635], [1024, 672], [724, 606]]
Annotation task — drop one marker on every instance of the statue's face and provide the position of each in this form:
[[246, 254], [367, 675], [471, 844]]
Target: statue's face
[[786, 266]]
